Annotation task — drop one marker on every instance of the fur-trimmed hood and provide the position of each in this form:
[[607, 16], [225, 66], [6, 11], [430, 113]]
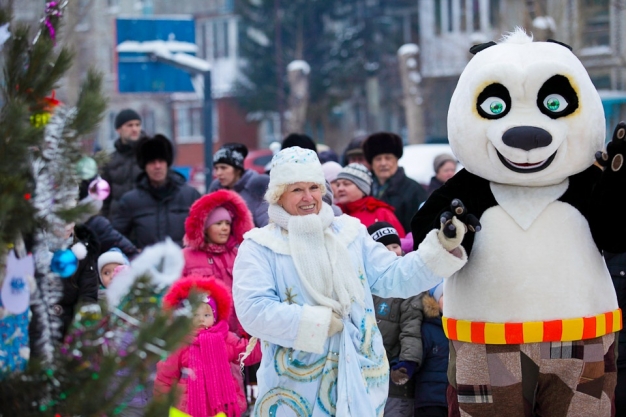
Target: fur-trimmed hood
[[200, 210], [215, 288], [431, 306]]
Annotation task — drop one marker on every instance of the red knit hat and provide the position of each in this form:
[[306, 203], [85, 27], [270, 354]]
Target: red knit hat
[[217, 290]]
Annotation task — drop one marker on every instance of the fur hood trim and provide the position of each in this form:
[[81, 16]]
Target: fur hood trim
[[276, 238], [200, 210], [431, 306], [181, 289]]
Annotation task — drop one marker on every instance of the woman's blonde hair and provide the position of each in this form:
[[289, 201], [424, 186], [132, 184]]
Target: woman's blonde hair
[[273, 194]]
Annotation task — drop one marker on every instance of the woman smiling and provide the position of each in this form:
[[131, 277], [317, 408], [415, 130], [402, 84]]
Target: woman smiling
[[303, 286]]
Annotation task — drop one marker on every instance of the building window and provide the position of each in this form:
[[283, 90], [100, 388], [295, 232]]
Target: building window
[[188, 120], [596, 28], [217, 40], [465, 15], [147, 121]]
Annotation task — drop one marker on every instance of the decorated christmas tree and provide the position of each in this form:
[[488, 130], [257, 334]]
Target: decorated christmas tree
[[111, 348]]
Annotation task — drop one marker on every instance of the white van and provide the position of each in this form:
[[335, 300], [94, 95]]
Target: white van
[[417, 160]]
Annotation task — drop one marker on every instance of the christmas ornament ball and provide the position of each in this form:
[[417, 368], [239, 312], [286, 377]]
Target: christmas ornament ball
[[86, 168], [64, 263], [99, 189]]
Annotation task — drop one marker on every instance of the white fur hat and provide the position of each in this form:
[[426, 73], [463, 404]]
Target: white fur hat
[[293, 165], [112, 256]]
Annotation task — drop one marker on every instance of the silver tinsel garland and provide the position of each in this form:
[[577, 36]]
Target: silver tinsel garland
[[55, 190]]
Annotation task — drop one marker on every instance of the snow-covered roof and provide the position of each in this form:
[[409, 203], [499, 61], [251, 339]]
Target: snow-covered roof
[[171, 51], [152, 46], [191, 61]]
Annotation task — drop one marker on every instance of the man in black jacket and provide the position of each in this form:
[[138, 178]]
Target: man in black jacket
[[121, 171], [158, 206], [382, 151]]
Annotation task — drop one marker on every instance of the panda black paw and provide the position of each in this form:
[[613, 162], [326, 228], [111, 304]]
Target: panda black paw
[[458, 209], [615, 149]]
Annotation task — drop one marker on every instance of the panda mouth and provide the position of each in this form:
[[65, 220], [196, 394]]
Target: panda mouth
[[526, 168]]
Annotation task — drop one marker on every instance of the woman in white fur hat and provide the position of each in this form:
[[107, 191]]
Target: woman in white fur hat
[[303, 285]]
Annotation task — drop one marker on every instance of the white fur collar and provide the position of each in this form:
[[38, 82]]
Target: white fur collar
[[525, 204], [275, 238]]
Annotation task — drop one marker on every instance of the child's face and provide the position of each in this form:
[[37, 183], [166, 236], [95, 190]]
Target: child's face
[[394, 247], [203, 318], [106, 275], [218, 233]]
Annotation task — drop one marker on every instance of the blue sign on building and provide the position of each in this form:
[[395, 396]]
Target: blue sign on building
[[140, 38]]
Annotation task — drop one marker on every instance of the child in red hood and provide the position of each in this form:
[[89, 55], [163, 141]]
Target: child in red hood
[[202, 369], [213, 232]]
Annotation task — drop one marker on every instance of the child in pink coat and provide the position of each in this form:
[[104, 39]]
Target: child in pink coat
[[213, 232], [202, 369]]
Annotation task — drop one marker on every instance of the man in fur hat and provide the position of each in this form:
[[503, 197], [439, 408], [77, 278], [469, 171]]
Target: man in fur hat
[[159, 204], [391, 185]]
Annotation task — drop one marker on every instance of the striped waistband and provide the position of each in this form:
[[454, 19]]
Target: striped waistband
[[533, 331]]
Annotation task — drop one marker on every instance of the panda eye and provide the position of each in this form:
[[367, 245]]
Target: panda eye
[[555, 103], [493, 106], [494, 102]]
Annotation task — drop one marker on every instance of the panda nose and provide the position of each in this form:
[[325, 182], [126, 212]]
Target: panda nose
[[526, 137]]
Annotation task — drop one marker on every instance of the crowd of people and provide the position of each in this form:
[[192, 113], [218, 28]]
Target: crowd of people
[[309, 275]]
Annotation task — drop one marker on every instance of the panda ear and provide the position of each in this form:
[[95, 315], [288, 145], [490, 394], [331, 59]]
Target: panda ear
[[481, 46], [560, 43]]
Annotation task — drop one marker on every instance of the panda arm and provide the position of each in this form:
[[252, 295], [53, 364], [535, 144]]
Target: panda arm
[[473, 191], [608, 198]]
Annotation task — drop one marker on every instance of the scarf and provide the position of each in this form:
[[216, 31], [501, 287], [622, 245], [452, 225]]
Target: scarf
[[322, 261], [211, 390]]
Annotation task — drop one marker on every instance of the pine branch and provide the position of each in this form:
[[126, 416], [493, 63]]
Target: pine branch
[[91, 104]]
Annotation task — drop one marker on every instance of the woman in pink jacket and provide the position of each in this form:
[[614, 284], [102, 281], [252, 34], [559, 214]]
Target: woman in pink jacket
[[201, 370], [213, 232]]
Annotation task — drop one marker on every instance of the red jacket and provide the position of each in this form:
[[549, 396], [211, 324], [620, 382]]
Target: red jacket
[[370, 210], [210, 260], [174, 369]]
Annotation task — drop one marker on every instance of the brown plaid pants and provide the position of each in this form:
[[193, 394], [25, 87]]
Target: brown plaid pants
[[549, 379]]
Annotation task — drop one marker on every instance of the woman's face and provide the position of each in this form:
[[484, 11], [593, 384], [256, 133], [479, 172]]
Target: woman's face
[[227, 175], [203, 319], [219, 232], [347, 192], [446, 171], [302, 198]]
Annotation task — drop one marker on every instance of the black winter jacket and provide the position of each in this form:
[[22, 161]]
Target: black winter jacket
[[403, 194], [120, 172], [399, 322], [109, 237], [82, 287], [148, 215], [251, 187]]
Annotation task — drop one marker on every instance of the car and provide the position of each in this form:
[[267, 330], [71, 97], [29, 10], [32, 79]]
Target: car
[[417, 160], [258, 159]]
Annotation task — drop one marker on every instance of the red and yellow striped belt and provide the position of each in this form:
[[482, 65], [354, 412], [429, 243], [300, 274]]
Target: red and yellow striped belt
[[533, 331]]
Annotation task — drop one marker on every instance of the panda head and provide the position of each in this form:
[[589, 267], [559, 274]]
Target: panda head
[[525, 113]]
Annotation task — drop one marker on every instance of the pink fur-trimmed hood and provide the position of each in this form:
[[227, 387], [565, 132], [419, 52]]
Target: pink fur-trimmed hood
[[231, 201]]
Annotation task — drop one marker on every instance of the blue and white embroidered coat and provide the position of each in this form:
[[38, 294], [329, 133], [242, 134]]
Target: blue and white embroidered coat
[[303, 372]]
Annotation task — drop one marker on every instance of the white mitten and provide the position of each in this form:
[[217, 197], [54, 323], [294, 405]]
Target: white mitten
[[336, 324], [457, 232]]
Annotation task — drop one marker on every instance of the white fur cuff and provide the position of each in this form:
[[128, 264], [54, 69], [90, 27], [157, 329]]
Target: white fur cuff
[[437, 258], [313, 329]]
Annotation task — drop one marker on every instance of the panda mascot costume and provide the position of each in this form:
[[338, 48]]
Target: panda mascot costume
[[532, 317]]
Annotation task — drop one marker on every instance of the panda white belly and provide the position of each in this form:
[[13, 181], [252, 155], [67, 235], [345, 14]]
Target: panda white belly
[[551, 271]]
